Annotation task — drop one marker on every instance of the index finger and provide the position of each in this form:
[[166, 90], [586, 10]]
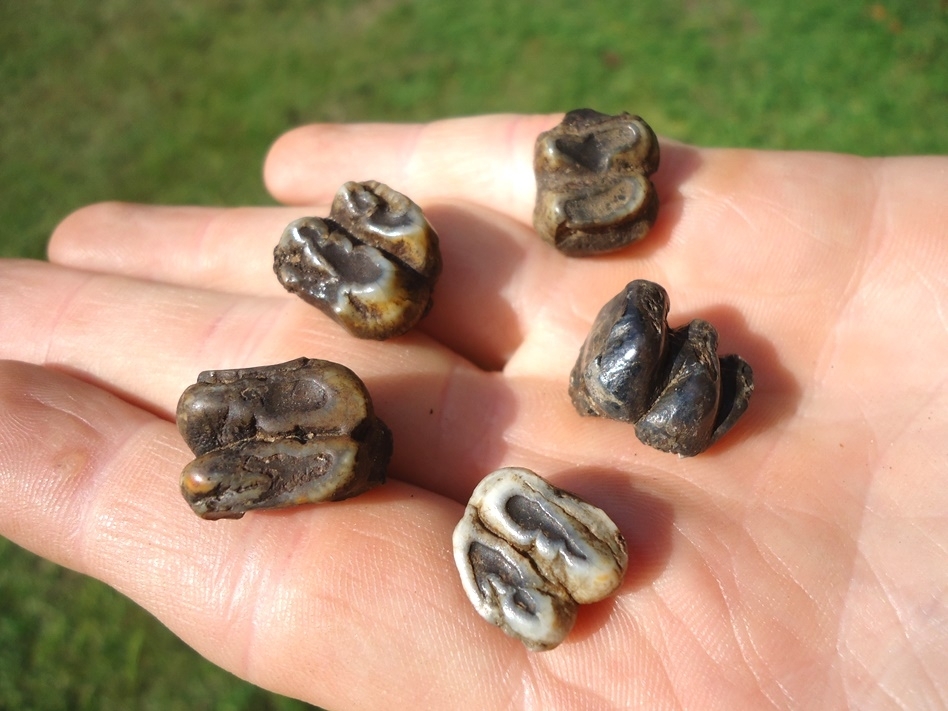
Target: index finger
[[487, 160], [484, 159]]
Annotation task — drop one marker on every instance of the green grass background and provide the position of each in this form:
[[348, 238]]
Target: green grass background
[[177, 102]]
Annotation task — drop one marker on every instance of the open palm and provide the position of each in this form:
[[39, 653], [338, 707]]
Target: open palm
[[801, 562]]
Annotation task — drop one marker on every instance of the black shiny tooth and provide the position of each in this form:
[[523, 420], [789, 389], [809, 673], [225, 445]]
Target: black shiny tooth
[[682, 416], [623, 355], [737, 384], [670, 384]]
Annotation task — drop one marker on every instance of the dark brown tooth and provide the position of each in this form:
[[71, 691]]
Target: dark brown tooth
[[279, 435], [593, 190], [371, 265]]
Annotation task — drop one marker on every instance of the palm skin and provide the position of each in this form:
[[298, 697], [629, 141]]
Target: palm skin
[[801, 562]]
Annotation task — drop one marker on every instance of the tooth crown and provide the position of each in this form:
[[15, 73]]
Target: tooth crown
[[593, 190], [279, 435], [530, 553], [669, 383], [371, 265]]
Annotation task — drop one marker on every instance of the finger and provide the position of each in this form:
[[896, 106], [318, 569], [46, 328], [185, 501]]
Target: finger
[[476, 310], [228, 250], [314, 604], [146, 342], [486, 160]]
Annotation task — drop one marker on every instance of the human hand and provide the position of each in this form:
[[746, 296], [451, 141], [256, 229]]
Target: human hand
[[799, 563]]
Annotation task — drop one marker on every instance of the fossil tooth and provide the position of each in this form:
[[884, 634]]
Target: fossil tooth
[[593, 190], [279, 435], [530, 553], [670, 384], [371, 265]]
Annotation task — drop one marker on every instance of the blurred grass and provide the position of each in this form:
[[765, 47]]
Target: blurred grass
[[69, 642], [176, 102]]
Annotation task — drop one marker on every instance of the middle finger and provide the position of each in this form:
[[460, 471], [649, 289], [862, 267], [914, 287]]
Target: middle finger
[[146, 342], [497, 275]]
